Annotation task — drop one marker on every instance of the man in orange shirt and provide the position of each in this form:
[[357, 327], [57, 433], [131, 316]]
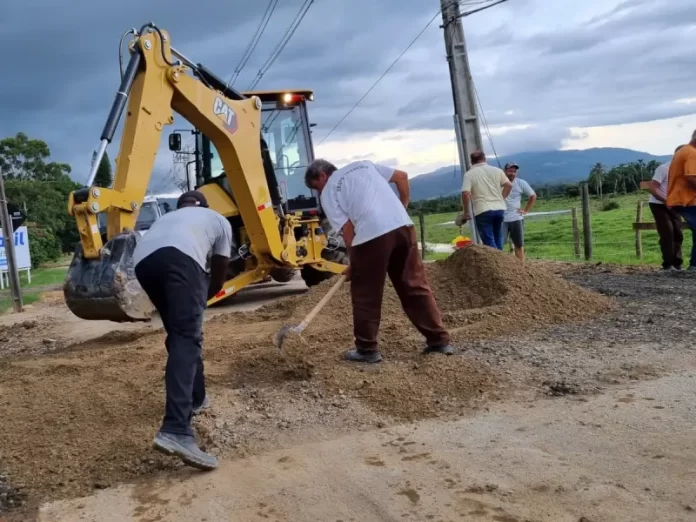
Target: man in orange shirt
[[681, 192]]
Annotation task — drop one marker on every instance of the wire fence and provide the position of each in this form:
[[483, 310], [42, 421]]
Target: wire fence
[[558, 235]]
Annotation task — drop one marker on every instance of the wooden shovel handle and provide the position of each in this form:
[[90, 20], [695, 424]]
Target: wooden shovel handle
[[321, 304]]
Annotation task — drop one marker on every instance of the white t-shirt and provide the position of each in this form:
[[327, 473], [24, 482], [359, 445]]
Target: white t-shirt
[[198, 232], [514, 200], [662, 177], [485, 183], [360, 192]]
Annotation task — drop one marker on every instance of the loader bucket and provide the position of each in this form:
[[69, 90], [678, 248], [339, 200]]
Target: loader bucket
[[106, 288]]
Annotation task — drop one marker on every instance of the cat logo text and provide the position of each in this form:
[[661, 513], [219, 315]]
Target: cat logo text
[[226, 114]]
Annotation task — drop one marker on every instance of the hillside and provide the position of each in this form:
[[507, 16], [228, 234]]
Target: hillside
[[538, 168]]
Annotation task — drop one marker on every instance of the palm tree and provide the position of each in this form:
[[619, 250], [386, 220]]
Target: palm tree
[[597, 178]]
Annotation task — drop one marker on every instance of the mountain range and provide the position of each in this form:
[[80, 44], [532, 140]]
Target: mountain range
[[537, 168]]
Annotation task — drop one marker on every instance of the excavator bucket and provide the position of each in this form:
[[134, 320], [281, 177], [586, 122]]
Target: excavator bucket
[[106, 288]]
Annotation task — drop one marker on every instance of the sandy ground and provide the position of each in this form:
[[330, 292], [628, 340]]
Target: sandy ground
[[626, 456], [81, 401]]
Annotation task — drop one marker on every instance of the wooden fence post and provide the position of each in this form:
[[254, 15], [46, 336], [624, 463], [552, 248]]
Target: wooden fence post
[[639, 242], [421, 220], [586, 221], [576, 232]]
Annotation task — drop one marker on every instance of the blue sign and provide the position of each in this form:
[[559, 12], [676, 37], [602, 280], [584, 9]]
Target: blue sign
[[19, 238], [21, 243]]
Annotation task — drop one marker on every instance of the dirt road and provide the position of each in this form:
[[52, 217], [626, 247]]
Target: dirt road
[[80, 402], [625, 456]]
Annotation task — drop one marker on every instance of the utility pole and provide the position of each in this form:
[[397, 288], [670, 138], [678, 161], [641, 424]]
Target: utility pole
[[8, 239], [465, 114]]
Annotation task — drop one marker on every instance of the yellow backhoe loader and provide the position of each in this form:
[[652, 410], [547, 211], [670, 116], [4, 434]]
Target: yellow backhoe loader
[[252, 144]]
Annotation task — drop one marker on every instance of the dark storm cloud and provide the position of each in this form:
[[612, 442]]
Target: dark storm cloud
[[620, 64]]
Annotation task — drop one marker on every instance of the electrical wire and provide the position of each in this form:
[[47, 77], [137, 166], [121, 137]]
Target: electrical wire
[[254, 41], [461, 2], [380, 78], [485, 123], [278, 49]]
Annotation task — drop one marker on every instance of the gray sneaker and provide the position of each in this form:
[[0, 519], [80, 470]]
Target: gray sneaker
[[186, 448], [364, 357], [446, 349], [205, 406]]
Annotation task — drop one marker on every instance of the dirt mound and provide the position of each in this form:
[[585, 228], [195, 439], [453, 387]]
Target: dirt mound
[[482, 293]]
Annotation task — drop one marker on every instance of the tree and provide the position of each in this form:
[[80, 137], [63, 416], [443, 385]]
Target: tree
[[597, 178], [104, 177], [24, 158], [40, 188]]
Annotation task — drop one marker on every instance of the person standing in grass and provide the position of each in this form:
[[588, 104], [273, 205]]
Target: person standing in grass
[[681, 189], [513, 222], [667, 221]]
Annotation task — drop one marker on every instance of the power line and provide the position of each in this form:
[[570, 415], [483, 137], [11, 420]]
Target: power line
[[278, 49], [254, 41], [381, 77], [461, 2], [485, 123]]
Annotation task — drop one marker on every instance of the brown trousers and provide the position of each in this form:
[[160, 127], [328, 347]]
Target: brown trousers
[[668, 225], [395, 253]]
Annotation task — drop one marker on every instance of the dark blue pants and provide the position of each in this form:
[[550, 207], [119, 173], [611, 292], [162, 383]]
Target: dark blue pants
[[689, 215], [490, 227], [178, 287]]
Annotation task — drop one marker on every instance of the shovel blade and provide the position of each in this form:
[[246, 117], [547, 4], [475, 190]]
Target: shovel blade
[[280, 336]]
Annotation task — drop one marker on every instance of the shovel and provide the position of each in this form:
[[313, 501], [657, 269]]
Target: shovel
[[280, 336]]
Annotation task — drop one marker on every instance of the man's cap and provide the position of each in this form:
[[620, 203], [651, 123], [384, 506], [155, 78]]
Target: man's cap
[[194, 197], [511, 165]]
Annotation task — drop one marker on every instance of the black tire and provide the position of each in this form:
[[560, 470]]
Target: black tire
[[282, 275], [312, 276]]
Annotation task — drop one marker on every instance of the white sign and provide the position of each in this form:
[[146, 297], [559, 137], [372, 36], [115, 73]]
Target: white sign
[[21, 241]]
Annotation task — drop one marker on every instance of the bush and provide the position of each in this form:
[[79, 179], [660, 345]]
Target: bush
[[44, 246], [610, 205]]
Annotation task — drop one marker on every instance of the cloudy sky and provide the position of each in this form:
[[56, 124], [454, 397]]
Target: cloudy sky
[[550, 74]]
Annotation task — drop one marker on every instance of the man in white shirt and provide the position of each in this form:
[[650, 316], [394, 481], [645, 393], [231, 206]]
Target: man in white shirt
[[171, 264], [381, 240], [513, 222], [486, 187], [667, 221]]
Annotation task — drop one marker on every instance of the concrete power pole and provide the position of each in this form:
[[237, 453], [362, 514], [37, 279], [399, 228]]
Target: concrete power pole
[[8, 240], [465, 115]]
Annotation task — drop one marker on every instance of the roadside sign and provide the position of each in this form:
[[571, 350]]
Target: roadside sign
[[16, 215], [21, 241]]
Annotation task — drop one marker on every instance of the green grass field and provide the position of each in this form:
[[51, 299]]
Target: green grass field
[[614, 240], [40, 279]]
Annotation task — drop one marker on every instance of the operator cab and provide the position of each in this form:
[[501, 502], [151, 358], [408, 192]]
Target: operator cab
[[285, 129]]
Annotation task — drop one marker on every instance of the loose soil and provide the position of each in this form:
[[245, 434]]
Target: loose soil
[[83, 416]]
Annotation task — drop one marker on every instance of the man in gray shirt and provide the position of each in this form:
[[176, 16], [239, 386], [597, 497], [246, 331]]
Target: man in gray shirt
[[181, 262], [513, 222]]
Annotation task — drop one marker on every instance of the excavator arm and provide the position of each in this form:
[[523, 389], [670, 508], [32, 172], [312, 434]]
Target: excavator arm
[[100, 282]]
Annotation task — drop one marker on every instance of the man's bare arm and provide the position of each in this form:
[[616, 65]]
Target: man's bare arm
[[466, 198], [530, 203], [348, 233], [400, 179], [655, 190], [218, 274], [507, 188], [691, 180]]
